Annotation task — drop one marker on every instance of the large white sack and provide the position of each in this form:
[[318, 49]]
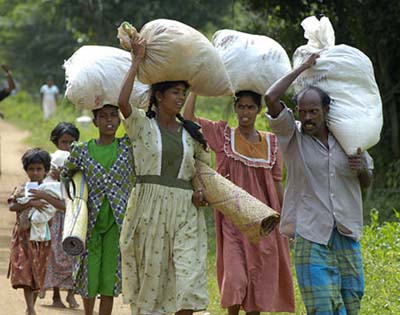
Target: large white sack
[[94, 77], [253, 62], [178, 52], [347, 75]]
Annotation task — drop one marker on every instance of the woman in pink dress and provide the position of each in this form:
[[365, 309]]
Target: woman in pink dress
[[256, 278]]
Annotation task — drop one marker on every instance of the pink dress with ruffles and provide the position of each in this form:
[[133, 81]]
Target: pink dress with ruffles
[[257, 277]]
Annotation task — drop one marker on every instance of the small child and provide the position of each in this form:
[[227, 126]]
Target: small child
[[107, 165], [59, 265], [30, 246]]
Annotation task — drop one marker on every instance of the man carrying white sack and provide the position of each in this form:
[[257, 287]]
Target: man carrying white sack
[[322, 206]]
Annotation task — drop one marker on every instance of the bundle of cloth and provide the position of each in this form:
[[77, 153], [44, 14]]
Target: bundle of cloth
[[57, 161], [38, 220], [347, 75]]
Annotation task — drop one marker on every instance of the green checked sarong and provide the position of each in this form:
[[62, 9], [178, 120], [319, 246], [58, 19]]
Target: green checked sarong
[[330, 277]]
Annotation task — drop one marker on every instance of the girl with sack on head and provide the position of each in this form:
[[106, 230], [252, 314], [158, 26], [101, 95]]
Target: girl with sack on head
[[164, 238], [253, 277]]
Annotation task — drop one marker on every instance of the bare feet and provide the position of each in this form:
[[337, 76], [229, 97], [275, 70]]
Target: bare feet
[[42, 294], [71, 301], [58, 303], [30, 312]]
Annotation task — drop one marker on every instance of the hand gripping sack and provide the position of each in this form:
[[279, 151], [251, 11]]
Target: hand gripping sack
[[347, 75], [253, 62], [177, 52], [94, 77]]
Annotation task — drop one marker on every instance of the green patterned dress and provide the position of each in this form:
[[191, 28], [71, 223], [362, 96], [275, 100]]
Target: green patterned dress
[[109, 177]]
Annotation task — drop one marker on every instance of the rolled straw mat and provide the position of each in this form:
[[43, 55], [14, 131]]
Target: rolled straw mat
[[252, 217], [76, 218]]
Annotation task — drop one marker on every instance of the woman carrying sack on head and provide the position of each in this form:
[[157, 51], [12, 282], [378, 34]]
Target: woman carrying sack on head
[[164, 238], [253, 277]]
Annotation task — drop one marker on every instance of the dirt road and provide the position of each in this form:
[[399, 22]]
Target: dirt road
[[13, 303]]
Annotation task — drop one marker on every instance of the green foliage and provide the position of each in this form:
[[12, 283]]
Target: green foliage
[[27, 114], [37, 36], [381, 254], [369, 25], [381, 258]]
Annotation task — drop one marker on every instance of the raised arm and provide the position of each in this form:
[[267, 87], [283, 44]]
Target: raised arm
[[138, 49], [275, 92], [190, 107], [10, 80]]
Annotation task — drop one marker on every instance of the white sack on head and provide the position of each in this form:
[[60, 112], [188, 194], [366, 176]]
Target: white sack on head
[[253, 62], [178, 52], [94, 77], [347, 75]]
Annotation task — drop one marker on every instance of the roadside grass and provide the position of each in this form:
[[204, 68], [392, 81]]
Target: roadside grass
[[380, 242], [381, 254]]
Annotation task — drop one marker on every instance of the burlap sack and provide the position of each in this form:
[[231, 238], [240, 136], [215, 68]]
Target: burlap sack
[[347, 75], [178, 52], [253, 62], [94, 77], [252, 217], [76, 218]]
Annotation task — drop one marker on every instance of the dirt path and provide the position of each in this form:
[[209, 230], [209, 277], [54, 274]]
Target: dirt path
[[13, 303]]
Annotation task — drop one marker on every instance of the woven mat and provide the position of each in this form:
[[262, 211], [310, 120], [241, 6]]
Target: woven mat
[[76, 218], [252, 217]]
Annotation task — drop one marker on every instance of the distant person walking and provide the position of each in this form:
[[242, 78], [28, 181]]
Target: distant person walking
[[5, 91], [49, 93]]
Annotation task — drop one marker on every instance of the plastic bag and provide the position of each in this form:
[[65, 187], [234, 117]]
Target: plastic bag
[[347, 75], [253, 62], [177, 52], [94, 77]]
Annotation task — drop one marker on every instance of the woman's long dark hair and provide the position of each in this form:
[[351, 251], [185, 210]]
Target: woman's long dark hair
[[191, 127]]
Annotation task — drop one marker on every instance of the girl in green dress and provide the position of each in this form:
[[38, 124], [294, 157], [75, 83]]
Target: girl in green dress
[[107, 166], [163, 239]]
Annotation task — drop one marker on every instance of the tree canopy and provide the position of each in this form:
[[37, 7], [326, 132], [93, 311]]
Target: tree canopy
[[38, 35]]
